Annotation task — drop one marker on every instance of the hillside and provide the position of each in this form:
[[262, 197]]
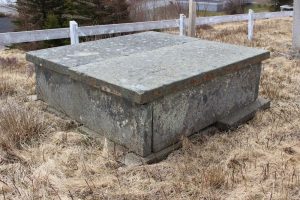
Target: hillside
[[43, 157]]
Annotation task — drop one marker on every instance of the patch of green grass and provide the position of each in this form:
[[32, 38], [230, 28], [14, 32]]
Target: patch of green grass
[[204, 13], [257, 8], [254, 7]]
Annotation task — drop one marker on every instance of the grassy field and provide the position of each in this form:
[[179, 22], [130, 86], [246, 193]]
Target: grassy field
[[43, 157], [255, 7]]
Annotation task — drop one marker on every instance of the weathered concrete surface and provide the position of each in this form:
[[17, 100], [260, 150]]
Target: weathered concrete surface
[[120, 120], [158, 65], [145, 91], [62, 59], [194, 109]]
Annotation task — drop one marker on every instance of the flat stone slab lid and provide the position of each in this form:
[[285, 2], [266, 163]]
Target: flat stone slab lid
[[146, 66]]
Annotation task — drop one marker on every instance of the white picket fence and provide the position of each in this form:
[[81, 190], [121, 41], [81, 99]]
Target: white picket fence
[[74, 32]]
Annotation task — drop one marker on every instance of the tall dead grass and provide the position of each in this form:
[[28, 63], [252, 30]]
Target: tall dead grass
[[7, 86], [20, 124]]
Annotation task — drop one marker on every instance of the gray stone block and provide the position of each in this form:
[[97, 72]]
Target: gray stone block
[[144, 91]]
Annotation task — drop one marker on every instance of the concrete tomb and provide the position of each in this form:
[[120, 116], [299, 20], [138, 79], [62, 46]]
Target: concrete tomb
[[144, 91]]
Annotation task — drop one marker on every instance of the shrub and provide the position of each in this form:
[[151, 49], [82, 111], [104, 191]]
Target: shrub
[[277, 3]]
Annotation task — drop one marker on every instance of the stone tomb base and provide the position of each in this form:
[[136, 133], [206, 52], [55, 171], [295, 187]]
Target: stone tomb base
[[145, 91], [112, 150]]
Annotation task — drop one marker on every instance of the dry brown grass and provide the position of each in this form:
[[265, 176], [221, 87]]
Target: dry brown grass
[[259, 160], [16, 75], [20, 124]]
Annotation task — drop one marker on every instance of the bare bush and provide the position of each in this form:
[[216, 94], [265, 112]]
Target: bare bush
[[233, 7]]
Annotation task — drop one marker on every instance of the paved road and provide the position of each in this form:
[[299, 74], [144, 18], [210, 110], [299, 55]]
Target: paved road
[[6, 25]]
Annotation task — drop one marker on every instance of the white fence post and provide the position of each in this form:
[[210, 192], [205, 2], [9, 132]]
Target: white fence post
[[74, 33], [250, 24], [182, 25], [296, 25], [192, 18]]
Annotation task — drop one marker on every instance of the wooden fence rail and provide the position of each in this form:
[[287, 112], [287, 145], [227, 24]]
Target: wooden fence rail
[[127, 27], [61, 33], [240, 17]]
